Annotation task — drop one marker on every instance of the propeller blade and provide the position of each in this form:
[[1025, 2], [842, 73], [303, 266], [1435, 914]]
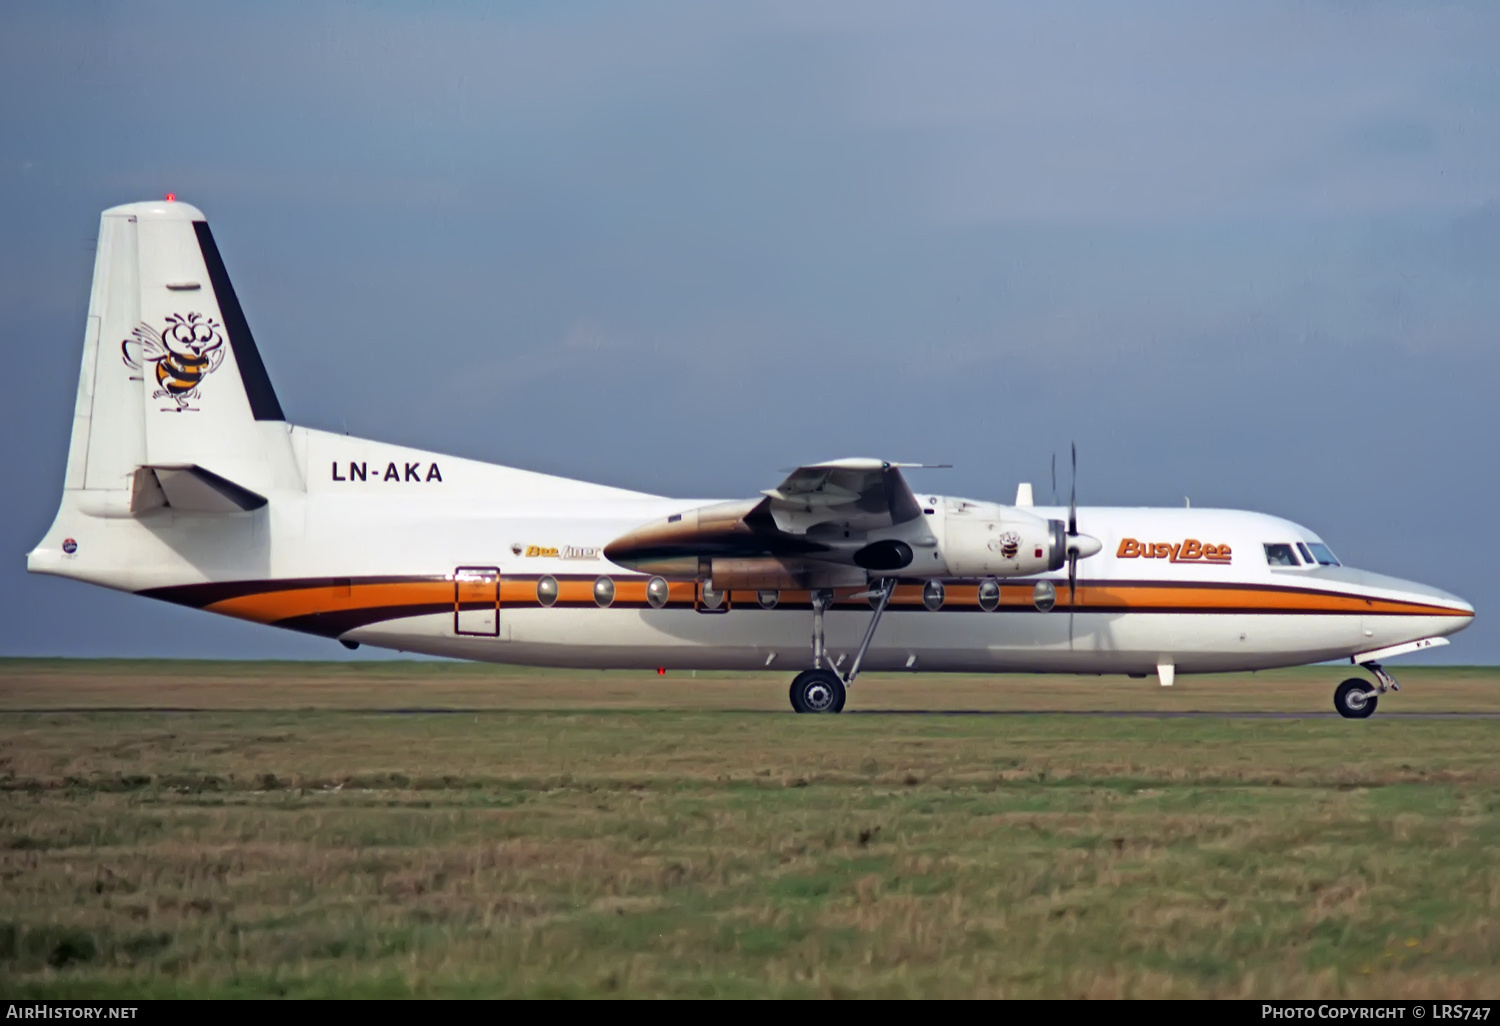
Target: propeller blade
[[1072, 590], [1073, 495]]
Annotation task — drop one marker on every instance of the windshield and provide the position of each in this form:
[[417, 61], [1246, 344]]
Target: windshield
[[1280, 555], [1323, 555]]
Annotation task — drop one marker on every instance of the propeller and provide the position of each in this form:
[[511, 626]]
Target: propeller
[[1072, 539], [1077, 546]]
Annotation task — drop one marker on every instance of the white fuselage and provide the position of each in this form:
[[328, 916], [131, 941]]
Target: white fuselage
[[366, 546]]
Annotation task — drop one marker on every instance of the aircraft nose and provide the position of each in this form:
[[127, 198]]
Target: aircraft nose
[[1457, 614], [1450, 615], [1447, 601], [1430, 609], [1460, 605]]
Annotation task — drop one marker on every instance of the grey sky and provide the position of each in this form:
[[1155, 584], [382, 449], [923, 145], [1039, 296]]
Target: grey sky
[[1244, 253]]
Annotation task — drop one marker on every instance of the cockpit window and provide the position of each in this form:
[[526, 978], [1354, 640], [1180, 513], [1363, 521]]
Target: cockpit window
[[1306, 556], [1323, 555], [1280, 555]]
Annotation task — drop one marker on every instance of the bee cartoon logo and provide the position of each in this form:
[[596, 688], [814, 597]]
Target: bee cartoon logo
[[1007, 544], [190, 348]]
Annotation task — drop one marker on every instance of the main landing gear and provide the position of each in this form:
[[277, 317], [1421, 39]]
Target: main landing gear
[[823, 689], [1355, 698], [818, 691]]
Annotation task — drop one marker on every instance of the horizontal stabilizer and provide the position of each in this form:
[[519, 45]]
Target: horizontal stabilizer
[[188, 488]]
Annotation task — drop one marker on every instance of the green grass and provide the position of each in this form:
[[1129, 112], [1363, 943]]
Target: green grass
[[203, 684], [713, 850]]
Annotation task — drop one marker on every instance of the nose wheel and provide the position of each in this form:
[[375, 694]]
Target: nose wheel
[[1355, 698], [818, 691]]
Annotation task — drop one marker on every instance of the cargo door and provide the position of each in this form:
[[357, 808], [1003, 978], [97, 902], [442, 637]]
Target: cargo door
[[476, 601]]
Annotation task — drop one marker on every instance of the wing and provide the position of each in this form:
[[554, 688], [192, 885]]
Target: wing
[[809, 529], [851, 495]]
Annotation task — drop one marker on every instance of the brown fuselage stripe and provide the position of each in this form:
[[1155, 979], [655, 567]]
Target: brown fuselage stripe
[[333, 606]]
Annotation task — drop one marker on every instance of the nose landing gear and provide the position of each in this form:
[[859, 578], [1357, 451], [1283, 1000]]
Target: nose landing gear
[[1355, 698]]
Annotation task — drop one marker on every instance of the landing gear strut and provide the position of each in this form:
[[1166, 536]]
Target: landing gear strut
[[1355, 698], [823, 688]]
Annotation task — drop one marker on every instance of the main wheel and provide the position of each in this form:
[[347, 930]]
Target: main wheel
[[1353, 699], [818, 691]]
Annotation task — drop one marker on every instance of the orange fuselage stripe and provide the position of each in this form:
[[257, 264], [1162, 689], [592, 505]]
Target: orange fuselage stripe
[[277, 604], [270, 606]]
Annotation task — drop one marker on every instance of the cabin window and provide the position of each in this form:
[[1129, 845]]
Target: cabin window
[[604, 592], [546, 590], [768, 597], [932, 595], [710, 598], [989, 596], [1278, 554], [657, 592], [1323, 554]]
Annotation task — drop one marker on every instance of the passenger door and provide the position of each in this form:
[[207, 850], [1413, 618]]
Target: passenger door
[[476, 601]]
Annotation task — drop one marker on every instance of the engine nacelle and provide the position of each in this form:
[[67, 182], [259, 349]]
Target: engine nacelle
[[982, 540]]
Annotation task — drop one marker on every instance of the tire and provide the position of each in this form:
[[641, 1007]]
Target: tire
[[818, 691], [1350, 701]]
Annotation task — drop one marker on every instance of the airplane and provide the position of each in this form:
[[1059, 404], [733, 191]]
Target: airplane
[[186, 483]]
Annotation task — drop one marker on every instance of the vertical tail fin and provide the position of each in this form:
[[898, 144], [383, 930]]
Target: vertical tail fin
[[109, 427], [253, 377], [204, 387], [174, 408], [171, 375]]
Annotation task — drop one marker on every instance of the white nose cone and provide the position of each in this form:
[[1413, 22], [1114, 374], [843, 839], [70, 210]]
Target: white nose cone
[[1083, 545]]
